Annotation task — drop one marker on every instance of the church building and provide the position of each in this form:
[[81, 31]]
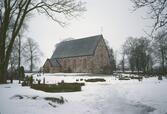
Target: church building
[[86, 55]]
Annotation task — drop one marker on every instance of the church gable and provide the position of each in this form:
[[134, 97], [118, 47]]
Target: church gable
[[101, 56]]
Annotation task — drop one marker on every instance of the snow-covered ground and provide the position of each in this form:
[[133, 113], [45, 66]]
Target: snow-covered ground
[[111, 97]]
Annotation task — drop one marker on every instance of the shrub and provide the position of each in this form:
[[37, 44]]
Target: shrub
[[22, 75], [124, 78], [55, 100], [28, 81], [39, 81], [159, 77], [62, 81], [95, 80], [73, 84], [140, 78], [107, 69], [24, 83], [61, 87]]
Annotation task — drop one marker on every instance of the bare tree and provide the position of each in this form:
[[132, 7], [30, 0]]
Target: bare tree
[[13, 14], [32, 53], [123, 54], [143, 53], [137, 51], [112, 59], [160, 48], [13, 61], [129, 47], [157, 11], [16, 55]]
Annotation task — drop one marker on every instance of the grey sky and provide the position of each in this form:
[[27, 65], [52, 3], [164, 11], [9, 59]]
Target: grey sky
[[113, 18]]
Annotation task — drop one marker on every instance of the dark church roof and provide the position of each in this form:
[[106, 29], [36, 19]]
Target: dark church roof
[[78, 47], [54, 62]]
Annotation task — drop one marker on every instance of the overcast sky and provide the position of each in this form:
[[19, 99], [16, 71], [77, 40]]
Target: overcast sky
[[112, 18]]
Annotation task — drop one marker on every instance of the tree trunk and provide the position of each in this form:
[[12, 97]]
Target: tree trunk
[[3, 35], [162, 62], [3, 62], [3, 73], [19, 58], [31, 64], [137, 65], [123, 63]]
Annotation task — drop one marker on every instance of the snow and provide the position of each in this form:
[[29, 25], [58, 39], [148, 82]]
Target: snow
[[111, 97]]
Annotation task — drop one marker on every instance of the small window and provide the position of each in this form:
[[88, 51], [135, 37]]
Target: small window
[[101, 58], [65, 63], [84, 63], [92, 66], [74, 64]]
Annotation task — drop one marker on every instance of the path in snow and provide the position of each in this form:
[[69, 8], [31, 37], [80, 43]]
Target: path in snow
[[111, 97]]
